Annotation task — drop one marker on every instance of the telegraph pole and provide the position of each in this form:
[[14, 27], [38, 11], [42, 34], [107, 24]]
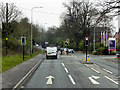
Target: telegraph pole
[[6, 29]]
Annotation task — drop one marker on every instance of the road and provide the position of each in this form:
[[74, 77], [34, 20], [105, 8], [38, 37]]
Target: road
[[68, 72]]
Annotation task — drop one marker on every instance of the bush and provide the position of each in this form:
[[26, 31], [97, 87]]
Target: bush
[[90, 47], [102, 51], [94, 52], [81, 45], [98, 45], [72, 45], [118, 48]]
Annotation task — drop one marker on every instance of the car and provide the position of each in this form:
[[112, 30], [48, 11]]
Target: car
[[71, 50], [37, 45], [51, 52]]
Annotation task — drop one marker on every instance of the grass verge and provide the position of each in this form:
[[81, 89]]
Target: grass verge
[[10, 61]]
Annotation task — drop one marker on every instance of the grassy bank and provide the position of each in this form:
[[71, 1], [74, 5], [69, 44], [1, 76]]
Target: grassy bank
[[10, 61]]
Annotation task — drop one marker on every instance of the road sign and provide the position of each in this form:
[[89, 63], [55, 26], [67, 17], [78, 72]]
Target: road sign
[[112, 44], [49, 81], [92, 79]]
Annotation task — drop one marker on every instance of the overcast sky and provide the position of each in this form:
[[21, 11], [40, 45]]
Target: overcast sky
[[47, 16]]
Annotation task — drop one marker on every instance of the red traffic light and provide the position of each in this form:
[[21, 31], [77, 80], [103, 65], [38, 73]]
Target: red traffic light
[[86, 39]]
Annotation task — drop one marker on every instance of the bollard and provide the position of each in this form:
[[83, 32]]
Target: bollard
[[88, 58], [65, 53]]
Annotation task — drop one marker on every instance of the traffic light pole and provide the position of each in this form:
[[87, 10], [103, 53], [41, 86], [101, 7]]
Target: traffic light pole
[[23, 51], [6, 29], [86, 45], [86, 53]]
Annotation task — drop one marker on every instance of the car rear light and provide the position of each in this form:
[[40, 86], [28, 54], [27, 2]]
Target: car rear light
[[56, 52]]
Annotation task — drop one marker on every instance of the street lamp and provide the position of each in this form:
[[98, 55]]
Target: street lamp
[[31, 25]]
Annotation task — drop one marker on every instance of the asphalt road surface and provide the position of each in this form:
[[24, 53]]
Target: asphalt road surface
[[68, 72]]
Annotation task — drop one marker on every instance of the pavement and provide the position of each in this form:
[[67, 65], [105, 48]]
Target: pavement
[[11, 77]]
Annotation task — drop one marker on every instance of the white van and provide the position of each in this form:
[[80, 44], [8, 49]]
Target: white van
[[51, 52]]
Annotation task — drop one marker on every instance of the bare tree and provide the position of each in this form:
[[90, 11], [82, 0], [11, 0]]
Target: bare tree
[[13, 12]]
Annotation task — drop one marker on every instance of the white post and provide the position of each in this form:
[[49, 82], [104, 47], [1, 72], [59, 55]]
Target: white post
[[31, 26]]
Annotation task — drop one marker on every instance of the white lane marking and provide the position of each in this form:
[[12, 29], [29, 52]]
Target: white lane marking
[[96, 65], [63, 64], [26, 76], [86, 65], [49, 81], [73, 82], [111, 80], [107, 71], [95, 70], [93, 81], [22, 86], [66, 70]]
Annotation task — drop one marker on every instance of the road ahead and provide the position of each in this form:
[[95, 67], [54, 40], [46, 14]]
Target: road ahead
[[68, 72]]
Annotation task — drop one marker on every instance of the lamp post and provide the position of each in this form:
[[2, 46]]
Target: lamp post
[[94, 40], [31, 25]]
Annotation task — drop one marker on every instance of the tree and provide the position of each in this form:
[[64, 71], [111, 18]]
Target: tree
[[13, 12], [78, 19]]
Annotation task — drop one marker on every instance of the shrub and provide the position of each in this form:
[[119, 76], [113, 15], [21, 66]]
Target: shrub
[[90, 47], [81, 45], [94, 52], [102, 51], [118, 48], [72, 45]]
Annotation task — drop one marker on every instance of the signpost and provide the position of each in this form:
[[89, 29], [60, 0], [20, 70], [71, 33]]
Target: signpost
[[112, 45], [23, 42]]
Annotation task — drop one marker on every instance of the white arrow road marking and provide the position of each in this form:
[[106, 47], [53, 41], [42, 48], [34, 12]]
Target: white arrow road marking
[[95, 77], [92, 79], [73, 82], [49, 81]]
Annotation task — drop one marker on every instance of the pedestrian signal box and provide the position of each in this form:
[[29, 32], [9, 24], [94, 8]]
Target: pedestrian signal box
[[86, 41]]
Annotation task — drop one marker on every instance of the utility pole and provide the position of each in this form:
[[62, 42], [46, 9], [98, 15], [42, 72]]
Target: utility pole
[[94, 40], [6, 29]]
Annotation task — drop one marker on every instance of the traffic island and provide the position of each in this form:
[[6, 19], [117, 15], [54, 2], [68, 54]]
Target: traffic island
[[85, 62]]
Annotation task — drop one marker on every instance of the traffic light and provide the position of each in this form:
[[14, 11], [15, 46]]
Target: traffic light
[[86, 41], [66, 43], [33, 42], [23, 40]]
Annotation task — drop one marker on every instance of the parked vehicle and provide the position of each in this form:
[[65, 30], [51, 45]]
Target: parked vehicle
[[71, 50], [51, 52]]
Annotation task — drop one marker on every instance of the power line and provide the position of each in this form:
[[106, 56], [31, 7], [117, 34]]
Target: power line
[[49, 13]]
